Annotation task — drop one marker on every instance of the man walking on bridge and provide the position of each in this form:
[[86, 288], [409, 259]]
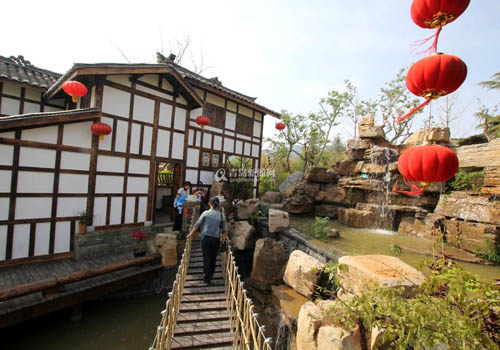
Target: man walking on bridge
[[213, 224]]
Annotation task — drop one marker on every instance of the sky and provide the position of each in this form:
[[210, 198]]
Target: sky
[[288, 54]]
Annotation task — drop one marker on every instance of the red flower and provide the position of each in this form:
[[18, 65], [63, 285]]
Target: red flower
[[140, 236]]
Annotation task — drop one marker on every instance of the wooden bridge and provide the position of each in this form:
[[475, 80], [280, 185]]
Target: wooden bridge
[[219, 316]]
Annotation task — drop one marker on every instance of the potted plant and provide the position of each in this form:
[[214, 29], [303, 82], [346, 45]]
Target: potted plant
[[85, 219], [140, 239]]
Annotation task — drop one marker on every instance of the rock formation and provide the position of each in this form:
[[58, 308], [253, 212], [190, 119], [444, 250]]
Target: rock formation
[[303, 272], [269, 262]]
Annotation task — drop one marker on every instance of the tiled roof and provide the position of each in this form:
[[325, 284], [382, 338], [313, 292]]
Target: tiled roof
[[22, 71]]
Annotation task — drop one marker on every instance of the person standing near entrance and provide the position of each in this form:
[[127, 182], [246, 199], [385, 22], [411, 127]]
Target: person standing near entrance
[[212, 224], [179, 202]]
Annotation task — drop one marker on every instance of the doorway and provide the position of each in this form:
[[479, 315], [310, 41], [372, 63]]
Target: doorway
[[168, 179]]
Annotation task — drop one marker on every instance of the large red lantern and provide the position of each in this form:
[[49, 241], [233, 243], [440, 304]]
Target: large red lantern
[[101, 129], [75, 89], [433, 14], [202, 121], [434, 76], [421, 165], [280, 126]]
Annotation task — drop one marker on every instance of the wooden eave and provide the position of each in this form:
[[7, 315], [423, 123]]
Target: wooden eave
[[48, 118], [126, 70]]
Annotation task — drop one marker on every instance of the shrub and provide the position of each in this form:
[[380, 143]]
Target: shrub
[[266, 185], [463, 181], [454, 309], [264, 209], [491, 252], [321, 229]]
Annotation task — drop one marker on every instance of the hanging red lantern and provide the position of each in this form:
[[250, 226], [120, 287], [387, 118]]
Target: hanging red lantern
[[101, 129], [433, 14], [202, 121], [280, 126], [75, 89], [421, 165], [434, 76]]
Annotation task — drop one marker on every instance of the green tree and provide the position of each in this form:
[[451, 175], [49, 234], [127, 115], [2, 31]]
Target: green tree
[[489, 117], [357, 109]]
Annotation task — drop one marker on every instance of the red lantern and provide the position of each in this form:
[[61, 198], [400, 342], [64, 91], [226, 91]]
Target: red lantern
[[280, 126], [434, 76], [426, 164], [75, 89], [436, 14], [101, 129], [202, 121]]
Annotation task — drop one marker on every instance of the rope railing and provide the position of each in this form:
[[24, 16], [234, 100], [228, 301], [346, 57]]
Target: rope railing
[[166, 329], [248, 334]]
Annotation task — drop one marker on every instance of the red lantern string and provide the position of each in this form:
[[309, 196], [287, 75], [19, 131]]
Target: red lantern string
[[431, 49], [413, 110]]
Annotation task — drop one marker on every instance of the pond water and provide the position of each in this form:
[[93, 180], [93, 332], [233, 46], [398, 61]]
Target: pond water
[[109, 324], [354, 241]]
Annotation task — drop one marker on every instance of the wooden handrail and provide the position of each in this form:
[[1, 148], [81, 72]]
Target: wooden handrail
[[57, 282]]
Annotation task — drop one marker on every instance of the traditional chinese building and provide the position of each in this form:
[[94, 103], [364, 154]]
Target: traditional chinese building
[[53, 168]]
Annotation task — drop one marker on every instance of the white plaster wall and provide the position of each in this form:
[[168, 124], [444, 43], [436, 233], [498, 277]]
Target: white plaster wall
[[193, 156], [108, 184], [230, 133], [8, 135], [5, 180], [207, 177], [106, 141], [151, 79], [92, 97], [78, 135], [33, 208], [138, 166], [154, 92], [63, 237], [207, 141], [198, 138], [70, 206], [75, 161], [58, 102], [120, 79], [137, 185], [52, 109], [121, 136], [11, 89], [163, 143], [247, 148], [165, 118], [4, 208], [217, 142], [190, 137], [6, 154], [141, 216], [31, 107], [73, 183], [3, 241], [21, 241], [34, 157], [181, 100], [256, 129], [32, 94], [135, 138], [129, 210], [246, 111], [100, 207], [215, 100], [258, 116], [9, 106], [239, 147], [195, 113], [143, 108], [180, 119], [228, 145], [165, 85], [178, 146], [115, 102], [192, 176], [146, 140], [35, 182], [211, 128], [42, 238], [230, 120], [112, 164], [244, 137], [116, 210], [255, 150]]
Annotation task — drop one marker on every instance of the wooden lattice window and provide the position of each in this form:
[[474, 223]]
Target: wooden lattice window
[[244, 125], [216, 115]]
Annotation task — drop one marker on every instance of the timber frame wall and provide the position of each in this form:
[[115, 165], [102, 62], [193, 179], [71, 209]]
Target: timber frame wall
[[49, 173]]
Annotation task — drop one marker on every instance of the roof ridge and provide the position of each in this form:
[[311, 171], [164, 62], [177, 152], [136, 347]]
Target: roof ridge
[[9, 60]]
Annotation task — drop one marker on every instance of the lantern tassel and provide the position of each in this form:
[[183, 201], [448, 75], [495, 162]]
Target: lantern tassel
[[431, 49], [415, 190], [422, 105], [74, 98]]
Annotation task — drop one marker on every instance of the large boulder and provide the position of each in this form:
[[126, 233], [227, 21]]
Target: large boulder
[[299, 204], [438, 135], [356, 218], [272, 197], [491, 183], [337, 338], [269, 263], [326, 210], [471, 236], [278, 220], [288, 186], [363, 184], [161, 238], [371, 131], [308, 324], [242, 235], [388, 271], [248, 208], [307, 188], [480, 155], [168, 251], [302, 273], [470, 207], [289, 302], [320, 174]]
